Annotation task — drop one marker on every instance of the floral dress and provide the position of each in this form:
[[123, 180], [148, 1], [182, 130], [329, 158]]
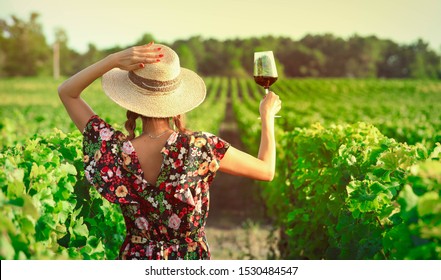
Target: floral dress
[[165, 220]]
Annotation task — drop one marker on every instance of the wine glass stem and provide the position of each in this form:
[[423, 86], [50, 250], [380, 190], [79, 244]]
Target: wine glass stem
[[266, 90]]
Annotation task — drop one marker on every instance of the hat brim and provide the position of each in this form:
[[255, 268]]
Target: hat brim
[[190, 93]]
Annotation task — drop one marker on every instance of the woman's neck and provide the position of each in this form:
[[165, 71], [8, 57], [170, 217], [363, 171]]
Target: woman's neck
[[153, 126]]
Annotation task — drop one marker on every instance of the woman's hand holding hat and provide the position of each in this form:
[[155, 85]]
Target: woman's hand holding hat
[[133, 79], [135, 57], [158, 90]]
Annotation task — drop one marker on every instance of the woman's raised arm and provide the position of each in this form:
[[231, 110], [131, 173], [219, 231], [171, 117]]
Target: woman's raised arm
[[263, 167], [71, 89]]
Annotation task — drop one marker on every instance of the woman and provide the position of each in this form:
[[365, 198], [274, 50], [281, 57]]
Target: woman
[[160, 178]]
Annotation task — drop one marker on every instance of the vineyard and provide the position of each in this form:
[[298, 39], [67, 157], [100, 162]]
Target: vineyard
[[358, 168]]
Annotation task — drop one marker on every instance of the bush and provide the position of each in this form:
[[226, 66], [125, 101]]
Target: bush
[[349, 192], [47, 210]]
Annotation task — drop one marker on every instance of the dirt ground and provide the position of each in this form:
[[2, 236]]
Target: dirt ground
[[237, 227]]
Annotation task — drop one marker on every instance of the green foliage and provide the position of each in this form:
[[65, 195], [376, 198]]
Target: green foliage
[[347, 192], [31, 105], [420, 211], [46, 209], [405, 110], [213, 107], [186, 58], [24, 47]]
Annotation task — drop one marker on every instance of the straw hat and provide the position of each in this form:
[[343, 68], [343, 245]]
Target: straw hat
[[159, 90]]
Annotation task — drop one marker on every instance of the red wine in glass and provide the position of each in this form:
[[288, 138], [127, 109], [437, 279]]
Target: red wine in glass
[[265, 81]]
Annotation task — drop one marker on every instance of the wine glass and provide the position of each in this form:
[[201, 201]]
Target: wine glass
[[265, 71]]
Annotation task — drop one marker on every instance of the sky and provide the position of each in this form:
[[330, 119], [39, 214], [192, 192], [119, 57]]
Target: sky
[[121, 23]]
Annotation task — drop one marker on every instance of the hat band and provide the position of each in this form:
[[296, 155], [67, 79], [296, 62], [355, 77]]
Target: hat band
[[154, 85]]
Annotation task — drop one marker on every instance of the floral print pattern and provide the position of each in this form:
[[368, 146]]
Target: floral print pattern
[[165, 220]]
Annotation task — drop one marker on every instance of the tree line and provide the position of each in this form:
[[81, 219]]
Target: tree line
[[24, 51]]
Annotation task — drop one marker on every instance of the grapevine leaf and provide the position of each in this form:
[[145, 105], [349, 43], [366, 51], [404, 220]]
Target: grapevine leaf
[[7, 251], [408, 199], [429, 204], [68, 168], [80, 229]]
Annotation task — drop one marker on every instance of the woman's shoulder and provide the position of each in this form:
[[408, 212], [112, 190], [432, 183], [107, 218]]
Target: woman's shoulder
[[198, 135], [204, 138], [99, 129]]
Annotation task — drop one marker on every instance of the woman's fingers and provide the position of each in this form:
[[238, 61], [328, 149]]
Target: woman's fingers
[[147, 54], [143, 62], [138, 56], [272, 96], [138, 65], [152, 59], [270, 103], [275, 101], [147, 49], [146, 59]]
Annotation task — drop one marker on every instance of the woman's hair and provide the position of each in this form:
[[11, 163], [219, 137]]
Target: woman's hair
[[130, 125]]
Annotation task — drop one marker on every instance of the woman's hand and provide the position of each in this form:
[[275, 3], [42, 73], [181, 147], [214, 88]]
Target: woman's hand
[[70, 90], [136, 57], [270, 105]]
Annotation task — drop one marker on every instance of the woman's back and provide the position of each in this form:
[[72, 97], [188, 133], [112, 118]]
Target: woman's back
[[164, 220], [148, 151]]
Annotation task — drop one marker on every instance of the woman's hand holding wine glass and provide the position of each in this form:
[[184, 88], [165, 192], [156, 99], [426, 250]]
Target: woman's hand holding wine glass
[[270, 105]]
